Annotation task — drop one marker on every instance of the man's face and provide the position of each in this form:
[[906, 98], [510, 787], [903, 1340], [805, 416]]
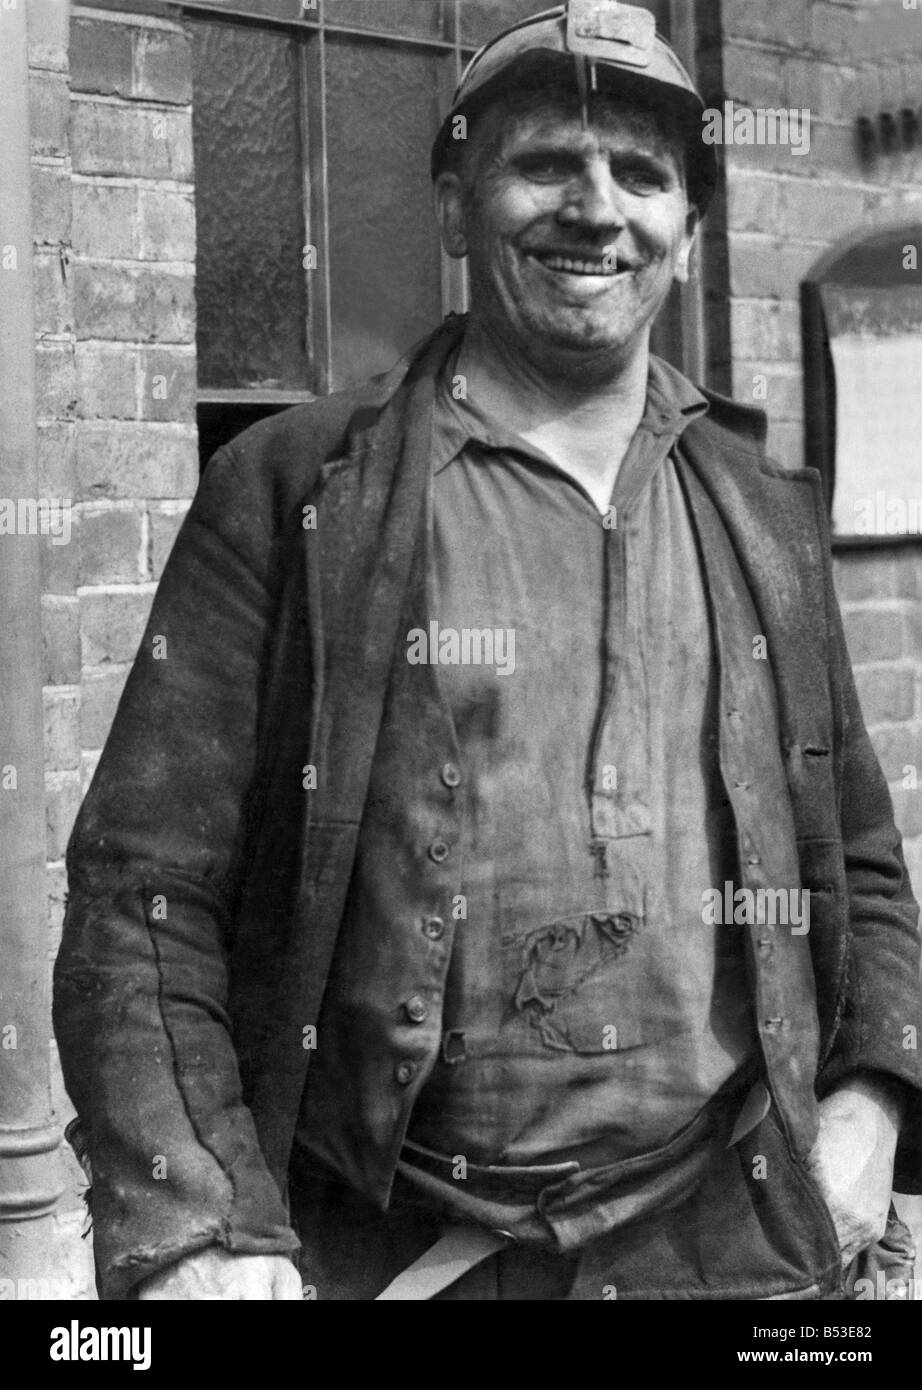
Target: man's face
[[574, 235]]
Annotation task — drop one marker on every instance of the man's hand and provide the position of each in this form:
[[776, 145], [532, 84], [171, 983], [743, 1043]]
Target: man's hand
[[214, 1273], [852, 1159]]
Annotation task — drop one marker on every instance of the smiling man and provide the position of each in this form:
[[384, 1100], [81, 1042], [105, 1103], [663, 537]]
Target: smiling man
[[575, 233], [375, 956]]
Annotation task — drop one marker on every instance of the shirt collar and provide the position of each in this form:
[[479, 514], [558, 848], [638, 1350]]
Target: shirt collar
[[672, 403]]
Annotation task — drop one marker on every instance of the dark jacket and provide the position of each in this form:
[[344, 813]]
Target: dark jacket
[[207, 884]]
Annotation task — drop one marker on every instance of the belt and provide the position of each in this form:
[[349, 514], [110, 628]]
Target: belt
[[458, 1249], [499, 1183], [463, 1247], [506, 1184]]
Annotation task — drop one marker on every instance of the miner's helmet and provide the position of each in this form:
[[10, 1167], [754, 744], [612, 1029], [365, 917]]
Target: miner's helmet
[[597, 45]]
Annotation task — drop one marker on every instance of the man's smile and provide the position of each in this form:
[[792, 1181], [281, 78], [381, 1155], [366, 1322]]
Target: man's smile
[[583, 265], [576, 265]]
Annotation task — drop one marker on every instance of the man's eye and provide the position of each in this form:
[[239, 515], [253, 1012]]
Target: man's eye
[[641, 180], [545, 168]]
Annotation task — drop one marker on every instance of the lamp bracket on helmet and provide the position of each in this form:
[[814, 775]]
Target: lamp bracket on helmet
[[608, 29]]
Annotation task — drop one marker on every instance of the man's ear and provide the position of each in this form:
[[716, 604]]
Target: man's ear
[[692, 223], [449, 210]]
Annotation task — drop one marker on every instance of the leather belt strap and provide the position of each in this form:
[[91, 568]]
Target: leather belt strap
[[459, 1249], [756, 1106], [463, 1247]]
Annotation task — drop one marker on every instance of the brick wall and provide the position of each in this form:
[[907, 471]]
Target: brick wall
[[114, 261], [781, 212]]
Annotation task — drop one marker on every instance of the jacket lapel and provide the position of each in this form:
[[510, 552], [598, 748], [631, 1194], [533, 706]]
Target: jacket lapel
[[357, 567], [774, 523], [772, 520], [370, 511]]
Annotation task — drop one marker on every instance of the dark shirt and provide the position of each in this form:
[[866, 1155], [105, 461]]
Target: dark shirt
[[589, 1010]]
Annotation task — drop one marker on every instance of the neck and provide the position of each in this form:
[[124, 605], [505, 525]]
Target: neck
[[584, 425], [530, 393]]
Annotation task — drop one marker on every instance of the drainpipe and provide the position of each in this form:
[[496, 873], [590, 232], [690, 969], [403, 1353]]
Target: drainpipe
[[30, 1173], [683, 29]]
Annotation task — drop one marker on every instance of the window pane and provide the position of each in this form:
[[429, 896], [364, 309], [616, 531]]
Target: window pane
[[384, 249], [430, 19], [484, 19], [875, 338], [251, 286]]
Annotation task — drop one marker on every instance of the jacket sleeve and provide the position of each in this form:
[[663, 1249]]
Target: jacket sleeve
[[141, 980], [880, 1016]]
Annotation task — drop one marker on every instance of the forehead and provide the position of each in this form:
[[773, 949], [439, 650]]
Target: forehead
[[556, 119]]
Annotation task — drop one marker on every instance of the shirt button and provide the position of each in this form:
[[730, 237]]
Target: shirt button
[[753, 860], [416, 1010], [438, 851], [404, 1073], [772, 1025], [434, 928], [451, 775]]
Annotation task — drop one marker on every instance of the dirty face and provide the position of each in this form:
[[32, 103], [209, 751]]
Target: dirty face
[[574, 233]]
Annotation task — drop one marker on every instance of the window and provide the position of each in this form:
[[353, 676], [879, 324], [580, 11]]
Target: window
[[319, 262], [862, 335]]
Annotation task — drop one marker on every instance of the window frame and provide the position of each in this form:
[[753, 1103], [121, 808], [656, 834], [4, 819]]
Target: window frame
[[311, 33], [820, 388]]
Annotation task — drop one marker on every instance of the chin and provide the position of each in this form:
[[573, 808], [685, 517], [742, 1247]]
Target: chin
[[587, 338], [586, 330]]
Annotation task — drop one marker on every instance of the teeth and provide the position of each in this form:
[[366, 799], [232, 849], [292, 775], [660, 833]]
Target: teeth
[[572, 267]]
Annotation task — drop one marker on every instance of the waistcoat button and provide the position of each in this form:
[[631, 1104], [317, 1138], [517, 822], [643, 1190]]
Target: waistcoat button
[[404, 1072], [451, 775], [416, 1010], [438, 851], [434, 928]]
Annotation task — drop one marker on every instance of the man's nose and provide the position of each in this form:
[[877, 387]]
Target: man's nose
[[593, 199]]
